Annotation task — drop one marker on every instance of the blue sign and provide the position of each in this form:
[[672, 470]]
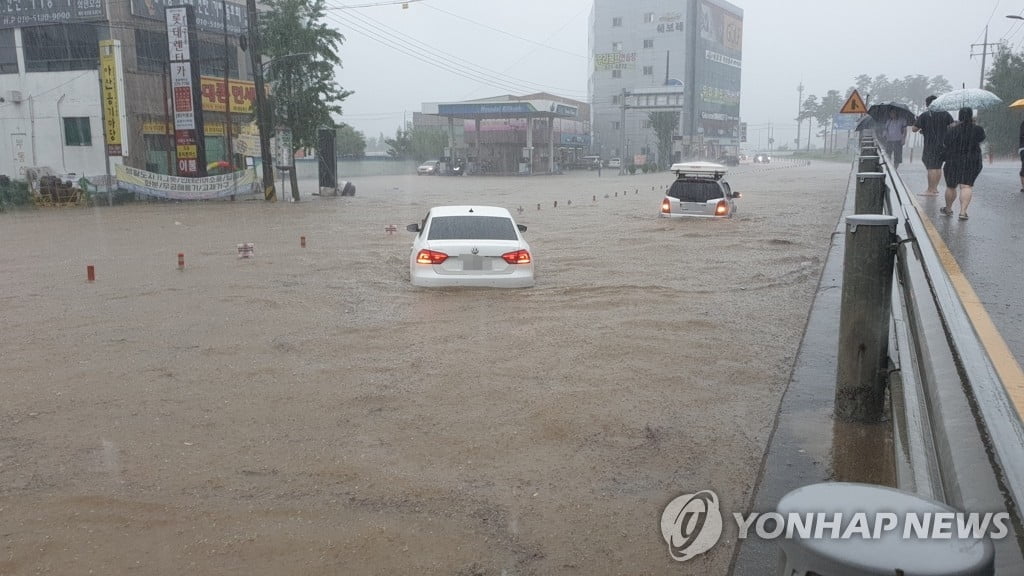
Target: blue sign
[[845, 121], [582, 140], [510, 109]]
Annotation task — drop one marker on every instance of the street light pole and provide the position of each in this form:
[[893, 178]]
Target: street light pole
[[227, 87], [263, 119]]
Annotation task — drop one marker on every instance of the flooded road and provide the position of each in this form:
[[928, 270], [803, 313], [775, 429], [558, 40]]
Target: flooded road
[[308, 411]]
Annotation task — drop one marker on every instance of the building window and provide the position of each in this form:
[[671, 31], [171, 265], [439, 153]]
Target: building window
[[615, 125], [150, 50], [647, 125], [617, 21], [616, 46], [8, 53], [649, 18], [77, 132], [648, 70], [212, 62], [616, 73], [61, 47], [616, 99], [648, 43]]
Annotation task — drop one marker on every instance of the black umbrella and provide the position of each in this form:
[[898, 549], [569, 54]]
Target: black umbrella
[[880, 112], [866, 123]]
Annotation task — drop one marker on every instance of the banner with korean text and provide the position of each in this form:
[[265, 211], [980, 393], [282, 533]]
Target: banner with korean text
[[179, 188]]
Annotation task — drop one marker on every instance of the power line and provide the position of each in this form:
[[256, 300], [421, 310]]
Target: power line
[[509, 34], [439, 59]]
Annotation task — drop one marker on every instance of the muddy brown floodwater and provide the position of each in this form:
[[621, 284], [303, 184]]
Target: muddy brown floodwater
[[308, 412]]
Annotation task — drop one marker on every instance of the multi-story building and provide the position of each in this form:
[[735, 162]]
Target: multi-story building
[[667, 55], [51, 110]]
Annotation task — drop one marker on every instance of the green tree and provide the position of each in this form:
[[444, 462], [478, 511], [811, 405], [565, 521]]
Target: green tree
[[416, 144], [350, 142], [303, 54], [809, 111], [1006, 80], [665, 125]]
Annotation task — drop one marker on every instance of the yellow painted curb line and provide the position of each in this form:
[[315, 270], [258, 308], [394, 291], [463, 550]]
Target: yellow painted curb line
[[1006, 366]]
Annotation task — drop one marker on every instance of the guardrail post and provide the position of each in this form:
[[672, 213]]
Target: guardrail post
[[869, 164], [864, 317], [870, 194]]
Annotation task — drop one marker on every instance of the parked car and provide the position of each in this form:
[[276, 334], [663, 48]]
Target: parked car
[[428, 168], [470, 246], [762, 159], [729, 160], [699, 191], [590, 162], [615, 163]]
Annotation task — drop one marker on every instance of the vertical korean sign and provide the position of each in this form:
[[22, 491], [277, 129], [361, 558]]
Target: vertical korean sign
[[110, 97], [185, 97]]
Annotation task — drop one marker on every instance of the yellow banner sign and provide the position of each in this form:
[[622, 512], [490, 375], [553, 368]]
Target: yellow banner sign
[[211, 128], [242, 95], [109, 95]]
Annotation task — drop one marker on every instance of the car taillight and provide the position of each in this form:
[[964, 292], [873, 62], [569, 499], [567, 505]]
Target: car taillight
[[430, 257], [722, 208], [517, 257], [666, 206]]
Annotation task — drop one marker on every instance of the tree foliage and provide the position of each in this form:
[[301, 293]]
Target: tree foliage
[[349, 142], [303, 54], [910, 90], [1006, 80], [664, 125], [417, 144]]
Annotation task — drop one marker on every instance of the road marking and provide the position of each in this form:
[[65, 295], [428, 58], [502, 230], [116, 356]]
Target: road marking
[[1006, 366]]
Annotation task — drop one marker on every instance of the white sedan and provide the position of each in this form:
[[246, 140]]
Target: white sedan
[[470, 246]]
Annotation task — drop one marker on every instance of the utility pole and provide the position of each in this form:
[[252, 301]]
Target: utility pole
[[227, 88], [984, 52], [622, 132], [263, 118], [799, 112]]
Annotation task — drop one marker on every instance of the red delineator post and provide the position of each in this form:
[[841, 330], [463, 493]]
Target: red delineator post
[[90, 273]]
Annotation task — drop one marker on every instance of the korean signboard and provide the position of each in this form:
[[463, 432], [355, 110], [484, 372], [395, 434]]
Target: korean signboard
[[209, 15], [284, 154], [15, 13], [186, 100], [110, 96], [615, 61], [720, 27], [242, 96]]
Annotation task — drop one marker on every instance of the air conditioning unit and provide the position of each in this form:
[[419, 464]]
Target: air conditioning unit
[[14, 96]]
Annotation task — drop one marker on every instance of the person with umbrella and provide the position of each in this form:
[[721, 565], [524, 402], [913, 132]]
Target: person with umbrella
[[895, 136], [933, 124], [963, 161]]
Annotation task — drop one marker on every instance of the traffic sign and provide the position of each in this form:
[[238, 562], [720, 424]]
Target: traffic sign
[[854, 105]]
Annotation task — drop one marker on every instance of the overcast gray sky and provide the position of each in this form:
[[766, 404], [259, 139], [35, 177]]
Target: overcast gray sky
[[449, 50]]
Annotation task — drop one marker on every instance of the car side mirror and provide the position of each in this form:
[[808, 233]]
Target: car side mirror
[[413, 227], [521, 227], [737, 195]]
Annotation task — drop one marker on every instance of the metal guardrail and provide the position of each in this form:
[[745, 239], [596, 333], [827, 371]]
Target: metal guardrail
[[958, 437]]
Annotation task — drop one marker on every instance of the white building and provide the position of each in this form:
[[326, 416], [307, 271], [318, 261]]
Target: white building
[[673, 55], [51, 111]]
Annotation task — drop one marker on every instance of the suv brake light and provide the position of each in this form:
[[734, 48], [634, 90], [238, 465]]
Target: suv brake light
[[666, 206], [722, 208], [517, 257], [430, 257]]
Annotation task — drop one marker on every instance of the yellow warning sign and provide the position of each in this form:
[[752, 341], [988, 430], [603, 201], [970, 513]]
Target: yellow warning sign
[[854, 105]]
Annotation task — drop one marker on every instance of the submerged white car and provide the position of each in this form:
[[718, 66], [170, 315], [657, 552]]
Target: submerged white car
[[470, 246], [699, 191]]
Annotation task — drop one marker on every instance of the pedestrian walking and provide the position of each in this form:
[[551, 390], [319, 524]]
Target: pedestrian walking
[[895, 137], [933, 124], [598, 168], [963, 161]]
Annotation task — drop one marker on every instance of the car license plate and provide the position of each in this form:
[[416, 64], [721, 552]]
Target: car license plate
[[472, 262]]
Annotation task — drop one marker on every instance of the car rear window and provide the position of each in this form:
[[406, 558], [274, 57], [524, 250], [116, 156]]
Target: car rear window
[[695, 190], [471, 228]]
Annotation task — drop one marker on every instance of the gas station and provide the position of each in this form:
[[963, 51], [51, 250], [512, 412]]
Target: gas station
[[534, 134]]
